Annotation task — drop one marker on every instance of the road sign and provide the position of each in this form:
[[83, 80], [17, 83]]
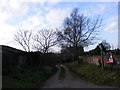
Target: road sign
[[110, 59]]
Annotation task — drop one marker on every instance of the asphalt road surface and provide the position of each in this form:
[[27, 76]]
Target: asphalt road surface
[[70, 81]]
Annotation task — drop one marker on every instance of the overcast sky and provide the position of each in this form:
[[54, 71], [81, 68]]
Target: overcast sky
[[40, 14]]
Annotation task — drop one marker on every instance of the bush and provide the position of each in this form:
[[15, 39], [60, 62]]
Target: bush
[[26, 77]]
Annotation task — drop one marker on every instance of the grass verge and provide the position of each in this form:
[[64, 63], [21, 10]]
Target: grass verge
[[62, 73], [94, 74], [25, 77]]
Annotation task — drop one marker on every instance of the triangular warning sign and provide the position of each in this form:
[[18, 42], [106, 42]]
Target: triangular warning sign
[[110, 60]]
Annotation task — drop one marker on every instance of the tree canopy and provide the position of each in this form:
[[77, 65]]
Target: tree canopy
[[78, 31]]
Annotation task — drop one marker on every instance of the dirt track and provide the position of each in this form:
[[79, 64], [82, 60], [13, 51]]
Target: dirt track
[[70, 81]]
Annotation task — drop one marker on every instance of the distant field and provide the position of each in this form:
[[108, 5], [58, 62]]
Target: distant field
[[95, 74]]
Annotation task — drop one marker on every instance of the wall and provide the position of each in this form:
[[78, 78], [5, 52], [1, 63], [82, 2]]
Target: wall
[[92, 59], [96, 61]]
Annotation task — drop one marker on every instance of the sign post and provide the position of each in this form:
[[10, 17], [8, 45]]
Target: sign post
[[101, 56]]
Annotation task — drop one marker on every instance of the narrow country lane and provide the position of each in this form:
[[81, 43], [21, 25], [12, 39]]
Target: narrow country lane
[[70, 81]]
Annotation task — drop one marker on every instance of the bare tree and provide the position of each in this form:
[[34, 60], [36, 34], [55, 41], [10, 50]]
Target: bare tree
[[106, 45], [45, 40], [24, 37], [78, 31]]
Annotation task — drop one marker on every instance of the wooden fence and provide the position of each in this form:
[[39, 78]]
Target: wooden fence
[[15, 57]]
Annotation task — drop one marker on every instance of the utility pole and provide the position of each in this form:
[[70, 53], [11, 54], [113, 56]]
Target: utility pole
[[101, 56]]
